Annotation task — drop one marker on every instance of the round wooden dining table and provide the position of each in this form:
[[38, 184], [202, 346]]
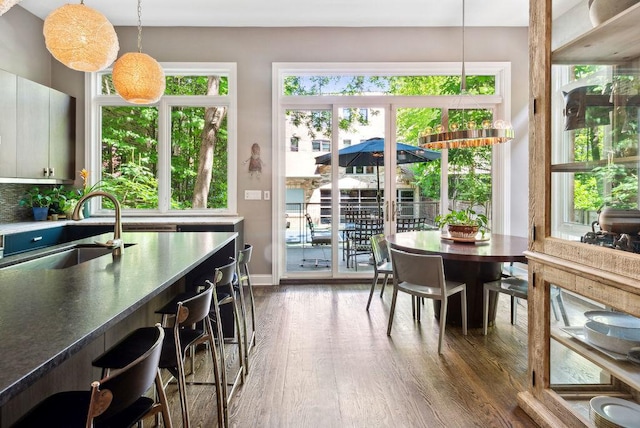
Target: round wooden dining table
[[473, 263]]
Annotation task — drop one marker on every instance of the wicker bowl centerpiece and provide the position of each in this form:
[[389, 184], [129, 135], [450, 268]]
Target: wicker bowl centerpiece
[[464, 224]]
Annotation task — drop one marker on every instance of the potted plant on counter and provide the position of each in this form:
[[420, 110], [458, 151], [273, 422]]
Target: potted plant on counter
[[58, 204], [39, 201], [464, 224]]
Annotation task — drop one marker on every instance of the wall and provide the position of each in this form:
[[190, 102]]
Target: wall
[[23, 52], [255, 49]]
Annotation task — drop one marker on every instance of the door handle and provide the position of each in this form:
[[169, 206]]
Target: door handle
[[393, 211], [386, 209]]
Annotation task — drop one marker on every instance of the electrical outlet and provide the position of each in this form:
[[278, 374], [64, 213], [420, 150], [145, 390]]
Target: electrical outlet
[[252, 195], [267, 195]]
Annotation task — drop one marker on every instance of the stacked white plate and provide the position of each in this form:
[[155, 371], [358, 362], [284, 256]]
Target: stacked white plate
[[612, 412]]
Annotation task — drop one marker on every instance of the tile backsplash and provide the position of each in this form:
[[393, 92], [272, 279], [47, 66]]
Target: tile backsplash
[[10, 210]]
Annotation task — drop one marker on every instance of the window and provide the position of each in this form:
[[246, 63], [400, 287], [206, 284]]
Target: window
[[346, 143], [178, 155], [364, 114], [321, 145], [294, 143]]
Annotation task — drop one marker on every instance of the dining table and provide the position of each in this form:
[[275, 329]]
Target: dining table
[[473, 262]]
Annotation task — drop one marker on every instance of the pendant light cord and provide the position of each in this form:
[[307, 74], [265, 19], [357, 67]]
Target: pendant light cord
[[463, 77], [139, 26]]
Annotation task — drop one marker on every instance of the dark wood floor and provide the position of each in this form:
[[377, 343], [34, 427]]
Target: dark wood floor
[[321, 360]]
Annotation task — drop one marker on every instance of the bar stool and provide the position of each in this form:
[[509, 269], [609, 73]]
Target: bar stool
[[129, 349], [225, 295], [243, 279], [114, 401], [191, 325]]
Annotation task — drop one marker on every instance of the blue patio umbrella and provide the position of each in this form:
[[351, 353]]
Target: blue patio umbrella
[[371, 153]]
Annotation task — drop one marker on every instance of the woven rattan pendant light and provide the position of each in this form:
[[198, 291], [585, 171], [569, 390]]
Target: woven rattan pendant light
[[81, 38], [5, 5], [137, 77]]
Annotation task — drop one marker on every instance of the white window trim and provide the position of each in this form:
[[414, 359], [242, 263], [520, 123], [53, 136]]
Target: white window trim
[[93, 137], [501, 167]]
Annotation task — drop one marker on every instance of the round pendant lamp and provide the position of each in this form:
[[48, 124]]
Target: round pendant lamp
[[81, 38], [137, 77]]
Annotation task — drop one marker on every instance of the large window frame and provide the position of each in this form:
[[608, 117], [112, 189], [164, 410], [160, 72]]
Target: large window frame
[[500, 103], [95, 101]]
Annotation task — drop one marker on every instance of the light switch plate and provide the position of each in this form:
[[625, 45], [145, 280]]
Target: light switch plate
[[253, 195]]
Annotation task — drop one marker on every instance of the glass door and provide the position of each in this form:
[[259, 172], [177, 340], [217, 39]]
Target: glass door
[[417, 180], [361, 184]]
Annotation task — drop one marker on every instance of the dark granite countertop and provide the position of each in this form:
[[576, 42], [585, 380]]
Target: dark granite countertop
[[9, 228], [48, 315]]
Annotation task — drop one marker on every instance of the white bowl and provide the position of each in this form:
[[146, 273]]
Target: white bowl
[[601, 335]]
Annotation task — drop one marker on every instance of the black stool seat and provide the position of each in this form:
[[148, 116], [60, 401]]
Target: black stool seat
[[117, 401], [128, 349], [68, 410]]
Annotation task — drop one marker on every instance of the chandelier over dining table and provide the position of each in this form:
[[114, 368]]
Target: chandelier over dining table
[[467, 133]]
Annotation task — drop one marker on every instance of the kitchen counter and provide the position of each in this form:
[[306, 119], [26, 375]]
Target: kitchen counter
[[26, 226], [49, 315]]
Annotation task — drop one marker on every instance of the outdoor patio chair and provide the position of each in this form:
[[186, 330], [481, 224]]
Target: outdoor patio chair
[[359, 241], [316, 240]]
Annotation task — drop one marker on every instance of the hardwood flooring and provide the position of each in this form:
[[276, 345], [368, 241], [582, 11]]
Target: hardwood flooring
[[322, 360]]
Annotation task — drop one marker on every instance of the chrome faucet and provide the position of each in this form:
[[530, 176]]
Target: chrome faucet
[[116, 242]]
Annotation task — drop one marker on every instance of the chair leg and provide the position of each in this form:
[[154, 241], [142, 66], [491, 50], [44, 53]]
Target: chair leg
[[243, 311], [373, 286], [514, 310], [463, 301], [392, 310], [215, 358], [485, 310], [563, 311], [182, 386], [252, 342], [384, 284], [164, 404], [443, 322], [223, 364]]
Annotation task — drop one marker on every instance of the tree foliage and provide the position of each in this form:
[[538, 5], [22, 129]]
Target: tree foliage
[[130, 160]]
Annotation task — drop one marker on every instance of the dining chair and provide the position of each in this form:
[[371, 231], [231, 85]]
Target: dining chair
[[381, 263], [117, 400], [514, 283], [422, 276], [316, 240]]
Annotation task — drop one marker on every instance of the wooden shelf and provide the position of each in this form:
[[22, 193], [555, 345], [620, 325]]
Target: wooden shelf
[[590, 165], [626, 371], [614, 41]]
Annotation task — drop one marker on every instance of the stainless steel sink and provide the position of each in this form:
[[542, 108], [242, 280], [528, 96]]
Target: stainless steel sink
[[65, 258]]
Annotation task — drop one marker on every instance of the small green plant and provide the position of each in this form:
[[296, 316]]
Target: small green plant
[[58, 200], [35, 198], [465, 217]]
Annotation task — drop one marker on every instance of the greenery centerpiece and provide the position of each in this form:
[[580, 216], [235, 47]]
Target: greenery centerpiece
[[464, 223]]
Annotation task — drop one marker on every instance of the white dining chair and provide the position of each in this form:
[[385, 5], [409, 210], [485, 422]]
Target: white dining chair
[[422, 275]]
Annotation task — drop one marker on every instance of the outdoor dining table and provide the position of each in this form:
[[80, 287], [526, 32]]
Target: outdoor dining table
[[473, 263]]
